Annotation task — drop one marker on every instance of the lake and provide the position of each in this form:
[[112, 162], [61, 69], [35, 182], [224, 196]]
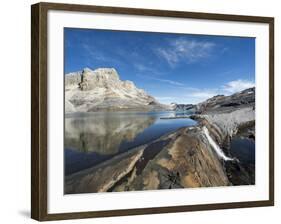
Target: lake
[[91, 138], [244, 150]]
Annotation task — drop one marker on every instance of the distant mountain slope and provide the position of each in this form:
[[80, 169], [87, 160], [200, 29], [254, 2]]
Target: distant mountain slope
[[102, 90], [221, 103]]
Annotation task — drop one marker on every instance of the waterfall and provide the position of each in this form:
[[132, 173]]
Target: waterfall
[[215, 146]]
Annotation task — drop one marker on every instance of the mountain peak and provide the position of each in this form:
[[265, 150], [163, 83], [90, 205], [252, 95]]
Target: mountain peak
[[87, 70], [102, 89], [100, 77], [99, 74], [106, 70]]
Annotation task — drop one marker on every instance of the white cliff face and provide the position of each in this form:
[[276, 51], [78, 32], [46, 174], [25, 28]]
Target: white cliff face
[[72, 79], [102, 89]]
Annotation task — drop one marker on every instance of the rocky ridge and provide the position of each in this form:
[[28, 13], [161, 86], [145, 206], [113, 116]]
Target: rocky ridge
[[102, 90], [245, 98], [221, 103], [183, 107]]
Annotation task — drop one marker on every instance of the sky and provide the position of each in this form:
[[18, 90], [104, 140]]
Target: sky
[[179, 68]]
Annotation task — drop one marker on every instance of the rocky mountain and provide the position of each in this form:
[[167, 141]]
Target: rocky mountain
[[102, 90], [245, 98], [183, 107]]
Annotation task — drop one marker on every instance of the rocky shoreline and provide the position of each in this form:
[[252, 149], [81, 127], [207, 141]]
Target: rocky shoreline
[[198, 156]]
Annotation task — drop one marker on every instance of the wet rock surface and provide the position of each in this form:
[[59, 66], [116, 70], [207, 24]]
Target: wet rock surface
[[186, 162], [102, 177], [182, 159]]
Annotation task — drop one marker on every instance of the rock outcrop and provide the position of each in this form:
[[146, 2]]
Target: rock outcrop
[[221, 103], [187, 161], [183, 107], [182, 159], [102, 177], [226, 117], [102, 90]]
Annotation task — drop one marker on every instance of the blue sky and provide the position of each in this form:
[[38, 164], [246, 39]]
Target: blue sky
[[179, 68]]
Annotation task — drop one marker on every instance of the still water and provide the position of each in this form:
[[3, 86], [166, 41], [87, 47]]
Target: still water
[[91, 138], [244, 150]]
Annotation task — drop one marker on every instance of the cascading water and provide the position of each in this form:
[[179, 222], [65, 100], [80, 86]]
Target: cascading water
[[215, 146]]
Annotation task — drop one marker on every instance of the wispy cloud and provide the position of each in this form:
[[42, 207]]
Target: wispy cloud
[[186, 50], [171, 82], [95, 53], [197, 95], [237, 85], [169, 55], [144, 68], [148, 68], [203, 94]]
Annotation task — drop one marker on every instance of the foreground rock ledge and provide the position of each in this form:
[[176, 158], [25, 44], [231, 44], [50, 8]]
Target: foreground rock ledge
[[102, 177], [183, 159]]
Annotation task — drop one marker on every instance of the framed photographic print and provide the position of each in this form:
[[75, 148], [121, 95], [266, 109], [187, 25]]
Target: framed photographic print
[[140, 111]]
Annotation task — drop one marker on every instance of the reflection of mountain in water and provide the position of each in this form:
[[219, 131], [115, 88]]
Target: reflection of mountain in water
[[103, 133]]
